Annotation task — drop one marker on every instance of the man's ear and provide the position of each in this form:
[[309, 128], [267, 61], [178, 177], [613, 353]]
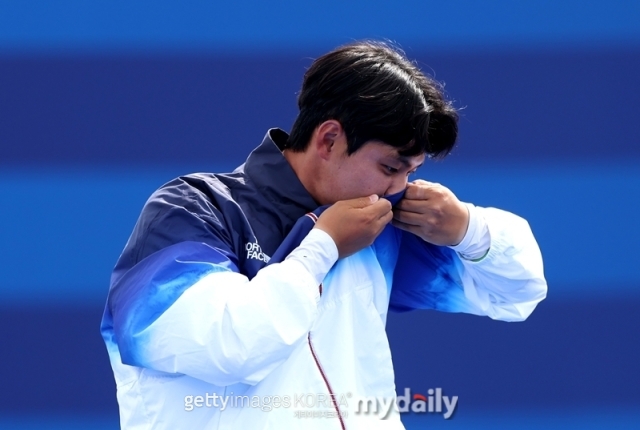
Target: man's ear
[[328, 138]]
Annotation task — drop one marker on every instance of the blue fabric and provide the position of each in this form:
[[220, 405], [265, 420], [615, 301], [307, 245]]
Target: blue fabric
[[299, 231], [302, 227], [258, 203], [195, 225], [424, 276], [153, 285]]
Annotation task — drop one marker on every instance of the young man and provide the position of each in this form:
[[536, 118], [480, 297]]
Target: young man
[[258, 299]]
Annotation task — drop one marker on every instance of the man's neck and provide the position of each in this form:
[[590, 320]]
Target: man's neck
[[304, 170]]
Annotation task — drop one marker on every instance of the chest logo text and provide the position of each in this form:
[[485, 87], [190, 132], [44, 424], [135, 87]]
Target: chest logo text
[[254, 252]]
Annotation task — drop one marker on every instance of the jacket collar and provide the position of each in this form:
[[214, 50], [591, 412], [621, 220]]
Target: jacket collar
[[272, 174]]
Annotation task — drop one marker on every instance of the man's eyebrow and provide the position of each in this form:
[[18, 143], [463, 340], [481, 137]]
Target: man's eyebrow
[[405, 161]]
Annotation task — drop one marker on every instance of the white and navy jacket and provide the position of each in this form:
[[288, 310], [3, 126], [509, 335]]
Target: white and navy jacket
[[227, 311]]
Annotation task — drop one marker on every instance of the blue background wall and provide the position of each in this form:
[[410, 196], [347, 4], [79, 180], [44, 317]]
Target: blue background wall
[[101, 102]]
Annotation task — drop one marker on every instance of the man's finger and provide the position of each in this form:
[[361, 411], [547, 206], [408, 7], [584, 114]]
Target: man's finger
[[421, 190], [409, 218], [387, 218], [380, 208], [415, 206], [406, 227], [424, 182], [363, 202]]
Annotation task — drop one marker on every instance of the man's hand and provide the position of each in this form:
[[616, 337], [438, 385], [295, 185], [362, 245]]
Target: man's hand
[[432, 212], [355, 224]]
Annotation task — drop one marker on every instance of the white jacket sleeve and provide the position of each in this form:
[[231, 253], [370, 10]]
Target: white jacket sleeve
[[505, 283], [224, 328]]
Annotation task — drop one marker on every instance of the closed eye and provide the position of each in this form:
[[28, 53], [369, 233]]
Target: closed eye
[[390, 170]]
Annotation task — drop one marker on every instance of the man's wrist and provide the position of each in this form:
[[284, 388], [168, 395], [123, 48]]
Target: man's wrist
[[317, 252], [476, 242]]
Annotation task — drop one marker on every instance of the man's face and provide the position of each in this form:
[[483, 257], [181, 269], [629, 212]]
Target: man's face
[[376, 168]]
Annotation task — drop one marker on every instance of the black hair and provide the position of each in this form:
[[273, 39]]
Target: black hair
[[376, 94]]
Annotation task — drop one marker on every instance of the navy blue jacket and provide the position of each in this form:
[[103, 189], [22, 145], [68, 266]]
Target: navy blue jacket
[[257, 204]]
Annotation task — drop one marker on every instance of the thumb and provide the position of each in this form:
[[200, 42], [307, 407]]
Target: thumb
[[363, 202]]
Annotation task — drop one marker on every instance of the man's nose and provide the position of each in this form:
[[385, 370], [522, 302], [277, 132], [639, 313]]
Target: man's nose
[[398, 184]]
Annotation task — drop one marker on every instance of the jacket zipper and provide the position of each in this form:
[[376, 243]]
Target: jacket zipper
[[326, 382]]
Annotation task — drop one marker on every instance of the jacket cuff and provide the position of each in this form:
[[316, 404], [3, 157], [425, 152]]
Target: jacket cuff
[[317, 253], [476, 243]]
